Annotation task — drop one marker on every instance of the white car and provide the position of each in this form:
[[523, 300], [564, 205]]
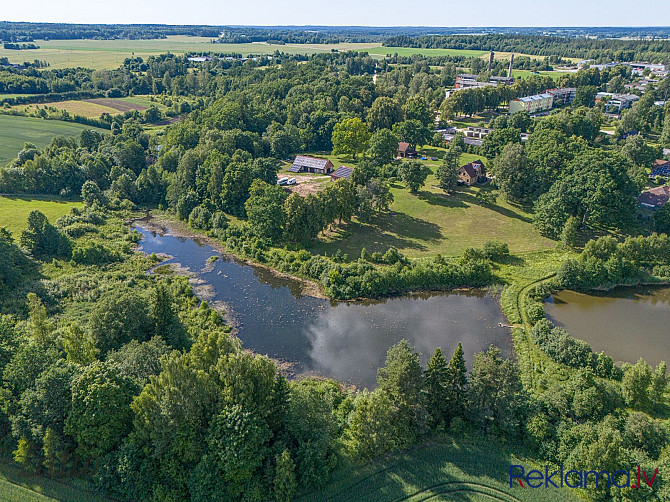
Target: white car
[[292, 181], [283, 181]]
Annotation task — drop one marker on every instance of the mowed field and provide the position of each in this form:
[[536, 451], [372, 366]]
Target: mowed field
[[107, 54], [95, 107], [18, 486], [450, 471], [14, 210], [431, 222], [15, 131]]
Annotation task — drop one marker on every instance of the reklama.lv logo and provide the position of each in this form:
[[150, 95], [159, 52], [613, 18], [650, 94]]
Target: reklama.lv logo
[[578, 479]]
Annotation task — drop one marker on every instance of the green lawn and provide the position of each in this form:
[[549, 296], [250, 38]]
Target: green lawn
[[431, 222], [18, 486], [528, 73], [14, 210], [15, 131], [453, 471]]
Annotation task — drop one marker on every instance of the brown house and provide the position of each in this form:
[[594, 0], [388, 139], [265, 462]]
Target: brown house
[[655, 198], [305, 164], [405, 150], [472, 172]]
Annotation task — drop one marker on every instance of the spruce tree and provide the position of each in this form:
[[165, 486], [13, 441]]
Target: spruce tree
[[457, 384], [436, 380]]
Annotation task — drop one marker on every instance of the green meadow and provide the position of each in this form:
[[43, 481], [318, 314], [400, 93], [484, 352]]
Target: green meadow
[[14, 210], [16, 130]]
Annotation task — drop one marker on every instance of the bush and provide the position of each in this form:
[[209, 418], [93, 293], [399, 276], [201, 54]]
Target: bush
[[93, 253], [560, 346], [496, 250], [535, 312]]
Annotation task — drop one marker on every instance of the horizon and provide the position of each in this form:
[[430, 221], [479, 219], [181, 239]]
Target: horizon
[[375, 13]]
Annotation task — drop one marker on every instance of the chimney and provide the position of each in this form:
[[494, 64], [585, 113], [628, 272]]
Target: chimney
[[491, 60], [511, 62]]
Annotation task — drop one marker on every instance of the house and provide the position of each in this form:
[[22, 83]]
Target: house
[[655, 198], [305, 164], [472, 172], [405, 150], [341, 172], [660, 168], [532, 104]]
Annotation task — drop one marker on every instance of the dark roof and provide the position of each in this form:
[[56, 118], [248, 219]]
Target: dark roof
[[472, 171], [403, 146], [657, 197], [342, 172], [313, 162]]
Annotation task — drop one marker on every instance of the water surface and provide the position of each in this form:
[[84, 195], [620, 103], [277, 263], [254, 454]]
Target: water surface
[[346, 341], [627, 323]]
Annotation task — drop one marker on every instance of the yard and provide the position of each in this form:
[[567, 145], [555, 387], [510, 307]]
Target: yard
[[431, 222]]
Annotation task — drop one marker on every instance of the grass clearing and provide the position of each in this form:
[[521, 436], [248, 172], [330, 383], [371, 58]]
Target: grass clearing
[[528, 73], [16, 130], [382, 51], [446, 470], [431, 222], [75, 107], [14, 210]]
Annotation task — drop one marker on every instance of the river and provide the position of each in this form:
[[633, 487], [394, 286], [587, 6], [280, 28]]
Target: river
[[346, 341], [627, 323]]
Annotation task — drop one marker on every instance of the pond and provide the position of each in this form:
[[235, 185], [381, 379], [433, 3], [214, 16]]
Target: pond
[[346, 341], [627, 323]]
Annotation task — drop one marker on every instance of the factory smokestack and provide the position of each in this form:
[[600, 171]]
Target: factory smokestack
[[491, 60], [511, 62]]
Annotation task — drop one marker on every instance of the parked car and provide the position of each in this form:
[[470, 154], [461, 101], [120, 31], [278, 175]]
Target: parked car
[[282, 181], [424, 158], [292, 181], [433, 158]]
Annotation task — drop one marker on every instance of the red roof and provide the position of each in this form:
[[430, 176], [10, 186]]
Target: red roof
[[403, 146], [661, 162], [657, 197]]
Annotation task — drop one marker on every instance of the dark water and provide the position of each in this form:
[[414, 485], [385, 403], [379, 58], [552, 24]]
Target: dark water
[[345, 341], [627, 323]]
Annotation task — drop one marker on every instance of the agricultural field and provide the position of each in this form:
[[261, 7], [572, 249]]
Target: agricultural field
[[18, 486], [14, 210], [92, 108], [528, 73], [431, 222], [15, 131], [108, 54], [454, 471]]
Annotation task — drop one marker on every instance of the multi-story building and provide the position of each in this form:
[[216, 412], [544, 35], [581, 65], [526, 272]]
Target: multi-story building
[[532, 104], [563, 96], [620, 102]]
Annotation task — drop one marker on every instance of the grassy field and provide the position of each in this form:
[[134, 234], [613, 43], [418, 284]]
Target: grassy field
[[18, 486], [408, 51], [15, 131], [95, 107], [528, 73], [431, 222], [14, 210], [107, 54], [453, 471]]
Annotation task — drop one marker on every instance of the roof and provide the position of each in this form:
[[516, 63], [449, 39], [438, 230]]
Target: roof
[[313, 162], [403, 146], [656, 197], [470, 168], [661, 168], [661, 162], [535, 97], [342, 172]]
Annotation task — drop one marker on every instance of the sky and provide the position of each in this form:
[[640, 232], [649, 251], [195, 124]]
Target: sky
[[344, 12]]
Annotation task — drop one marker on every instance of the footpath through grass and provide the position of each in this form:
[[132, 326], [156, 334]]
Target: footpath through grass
[[16, 130], [449, 470], [14, 210]]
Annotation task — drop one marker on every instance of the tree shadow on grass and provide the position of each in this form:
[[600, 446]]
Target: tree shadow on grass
[[495, 207], [438, 199], [407, 226]]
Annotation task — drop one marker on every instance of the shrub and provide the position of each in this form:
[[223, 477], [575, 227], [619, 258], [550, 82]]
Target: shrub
[[93, 253], [200, 218], [496, 250]]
